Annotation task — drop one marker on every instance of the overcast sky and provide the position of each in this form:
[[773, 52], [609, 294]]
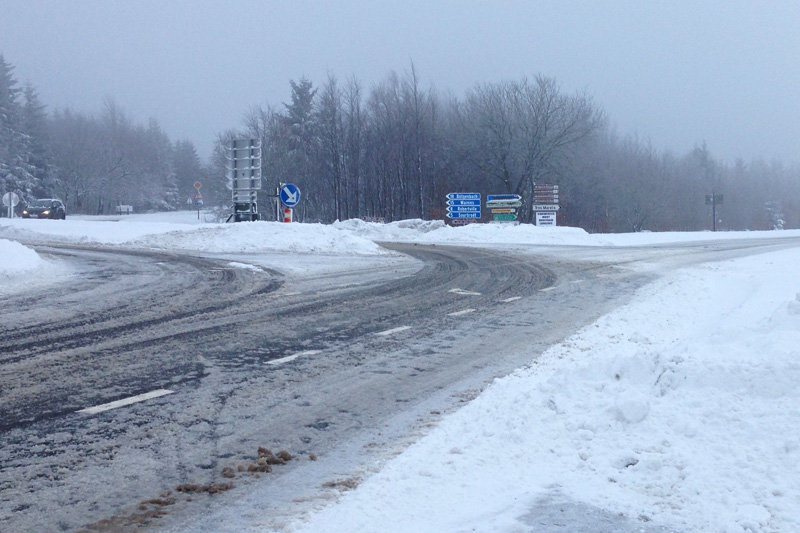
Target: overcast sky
[[674, 72]]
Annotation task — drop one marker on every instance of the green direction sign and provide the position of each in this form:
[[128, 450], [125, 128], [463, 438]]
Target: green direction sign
[[505, 216]]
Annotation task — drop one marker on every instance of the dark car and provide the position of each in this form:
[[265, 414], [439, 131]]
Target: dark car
[[45, 208]]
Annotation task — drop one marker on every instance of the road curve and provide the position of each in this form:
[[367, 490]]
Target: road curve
[[130, 322], [343, 370]]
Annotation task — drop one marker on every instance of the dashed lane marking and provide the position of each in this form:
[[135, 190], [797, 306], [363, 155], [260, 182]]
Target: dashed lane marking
[[463, 292], [548, 289], [512, 299], [393, 330], [462, 312], [125, 401], [293, 357]]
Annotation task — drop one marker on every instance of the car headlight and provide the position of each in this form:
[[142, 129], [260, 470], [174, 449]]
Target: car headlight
[[24, 211], [46, 212]]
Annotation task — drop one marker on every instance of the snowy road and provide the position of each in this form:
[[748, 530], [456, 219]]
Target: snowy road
[[331, 365]]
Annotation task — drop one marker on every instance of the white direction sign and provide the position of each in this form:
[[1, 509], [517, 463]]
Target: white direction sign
[[546, 207], [504, 203], [545, 219]]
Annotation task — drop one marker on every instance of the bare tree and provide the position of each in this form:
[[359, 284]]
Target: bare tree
[[518, 133]]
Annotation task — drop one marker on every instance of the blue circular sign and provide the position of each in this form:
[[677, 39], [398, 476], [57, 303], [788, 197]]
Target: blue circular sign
[[290, 195]]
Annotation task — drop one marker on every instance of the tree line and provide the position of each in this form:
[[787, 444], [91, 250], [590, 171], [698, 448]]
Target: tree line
[[393, 152], [92, 163]]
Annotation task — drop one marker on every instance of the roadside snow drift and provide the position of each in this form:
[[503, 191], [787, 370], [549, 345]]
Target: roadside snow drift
[[679, 410]]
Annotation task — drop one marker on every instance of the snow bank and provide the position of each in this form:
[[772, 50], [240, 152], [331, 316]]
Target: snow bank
[[260, 237], [661, 410], [16, 259], [182, 230], [438, 232]]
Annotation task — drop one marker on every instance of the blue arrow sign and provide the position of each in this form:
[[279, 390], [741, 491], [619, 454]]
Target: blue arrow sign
[[464, 208], [503, 197], [463, 215], [464, 202], [290, 195], [464, 196]]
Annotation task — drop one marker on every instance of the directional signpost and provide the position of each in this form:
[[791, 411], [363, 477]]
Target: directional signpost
[[504, 206], [464, 206], [545, 200]]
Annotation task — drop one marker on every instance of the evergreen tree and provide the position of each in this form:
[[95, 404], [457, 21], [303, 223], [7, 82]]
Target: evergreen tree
[[16, 173], [188, 171], [35, 126]]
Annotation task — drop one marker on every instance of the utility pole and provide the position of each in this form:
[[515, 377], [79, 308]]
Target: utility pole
[[713, 199]]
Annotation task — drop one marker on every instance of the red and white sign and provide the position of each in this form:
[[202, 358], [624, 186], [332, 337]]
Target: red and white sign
[[287, 214]]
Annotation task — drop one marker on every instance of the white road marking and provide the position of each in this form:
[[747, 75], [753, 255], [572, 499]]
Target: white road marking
[[512, 299], [579, 281], [462, 312], [393, 330], [547, 289], [462, 292], [293, 357], [245, 266], [126, 401]]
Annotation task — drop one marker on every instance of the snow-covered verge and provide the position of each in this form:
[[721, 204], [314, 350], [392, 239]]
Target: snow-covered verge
[[681, 409], [17, 259], [183, 231]]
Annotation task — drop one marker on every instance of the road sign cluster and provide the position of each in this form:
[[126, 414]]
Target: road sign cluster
[[504, 206], [545, 204], [464, 205]]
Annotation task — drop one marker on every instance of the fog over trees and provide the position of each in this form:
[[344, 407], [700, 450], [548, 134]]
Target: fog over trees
[[393, 151]]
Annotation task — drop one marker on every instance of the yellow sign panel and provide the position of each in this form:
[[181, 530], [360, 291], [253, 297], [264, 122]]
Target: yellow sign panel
[[504, 210]]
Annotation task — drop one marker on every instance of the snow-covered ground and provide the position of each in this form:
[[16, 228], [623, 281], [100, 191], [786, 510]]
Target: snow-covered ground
[[679, 410]]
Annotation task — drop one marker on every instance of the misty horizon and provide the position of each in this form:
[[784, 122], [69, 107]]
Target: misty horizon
[[675, 76]]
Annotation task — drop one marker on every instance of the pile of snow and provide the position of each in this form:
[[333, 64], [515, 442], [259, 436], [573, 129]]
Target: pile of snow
[[17, 259], [661, 411], [438, 232], [261, 237]]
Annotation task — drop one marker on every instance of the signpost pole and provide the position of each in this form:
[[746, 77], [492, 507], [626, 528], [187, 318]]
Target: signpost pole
[[714, 212], [197, 199], [713, 199]]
